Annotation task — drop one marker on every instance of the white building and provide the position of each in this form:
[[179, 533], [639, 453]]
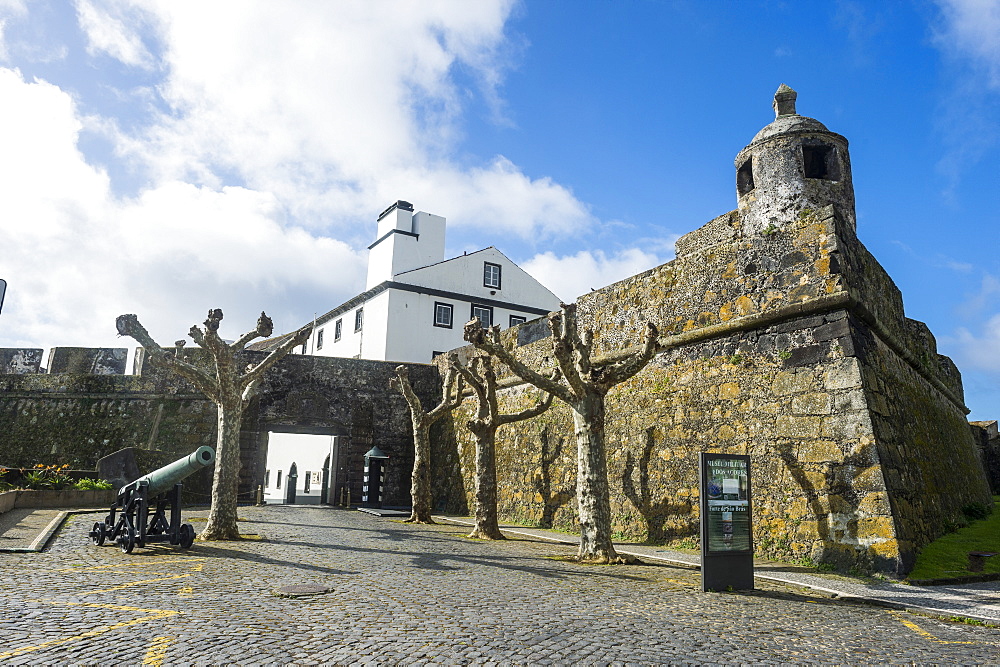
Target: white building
[[416, 302]]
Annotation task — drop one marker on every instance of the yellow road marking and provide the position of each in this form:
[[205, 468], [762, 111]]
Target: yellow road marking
[[136, 583], [157, 651], [920, 631], [154, 614], [185, 592], [148, 564]]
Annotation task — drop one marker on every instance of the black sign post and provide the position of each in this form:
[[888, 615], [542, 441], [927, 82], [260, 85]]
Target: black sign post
[[726, 526]]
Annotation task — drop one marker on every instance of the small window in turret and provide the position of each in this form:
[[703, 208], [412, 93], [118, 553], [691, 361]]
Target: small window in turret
[[820, 161], [744, 178]]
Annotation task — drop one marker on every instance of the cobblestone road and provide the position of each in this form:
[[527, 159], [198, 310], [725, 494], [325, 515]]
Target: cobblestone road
[[422, 594]]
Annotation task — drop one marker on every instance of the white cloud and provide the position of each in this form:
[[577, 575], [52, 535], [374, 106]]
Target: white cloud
[[8, 9], [572, 275], [971, 29], [111, 29], [341, 108], [75, 256], [979, 351]]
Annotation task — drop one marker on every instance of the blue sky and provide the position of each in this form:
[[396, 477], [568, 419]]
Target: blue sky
[[165, 158]]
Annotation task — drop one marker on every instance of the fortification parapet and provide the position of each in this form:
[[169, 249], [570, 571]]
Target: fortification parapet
[[20, 361], [88, 360]]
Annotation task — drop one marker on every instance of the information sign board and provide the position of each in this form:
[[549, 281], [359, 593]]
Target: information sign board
[[725, 481], [726, 522]]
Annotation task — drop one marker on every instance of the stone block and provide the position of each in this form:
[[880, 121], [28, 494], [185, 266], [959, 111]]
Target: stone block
[[729, 390], [88, 360], [809, 355], [875, 504], [842, 374], [832, 330], [20, 361], [792, 382], [820, 451], [789, 426], [812, 403], [847, 426], [876, 528]]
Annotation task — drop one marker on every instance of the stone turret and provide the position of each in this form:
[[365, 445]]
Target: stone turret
[[793, 164]]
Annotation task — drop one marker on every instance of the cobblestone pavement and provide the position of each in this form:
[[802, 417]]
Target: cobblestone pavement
[[398, 593]]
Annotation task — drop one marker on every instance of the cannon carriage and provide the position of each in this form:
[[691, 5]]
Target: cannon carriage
[[142, 505]]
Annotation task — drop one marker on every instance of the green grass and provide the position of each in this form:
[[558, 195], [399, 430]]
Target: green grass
[[948, 556]]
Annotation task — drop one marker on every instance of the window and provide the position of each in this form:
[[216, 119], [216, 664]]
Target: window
[[304, 348], [278, 484], [338, 329], [359, 318], [436, 353], [491, 275], [443, 314], [744, 177], [319, 340], [305, 489], [267, 479], [484, 313], [517, 319], [820, 161]]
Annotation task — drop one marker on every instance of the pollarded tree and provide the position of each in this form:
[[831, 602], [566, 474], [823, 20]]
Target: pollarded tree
[[420, 485], [230, 389], [587, 383], [483, 380]]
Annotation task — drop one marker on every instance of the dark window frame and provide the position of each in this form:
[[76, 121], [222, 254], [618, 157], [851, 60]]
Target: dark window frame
[[359, 319], [489, 309], [451, 314], [319, 339], [487, 275], [338, 329], [521, 319]]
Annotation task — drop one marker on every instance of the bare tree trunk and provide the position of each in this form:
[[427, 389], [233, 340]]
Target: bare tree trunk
[[593, 493], [483, 380], [420, 480], [222, 516], [420, 487], [487, 526]]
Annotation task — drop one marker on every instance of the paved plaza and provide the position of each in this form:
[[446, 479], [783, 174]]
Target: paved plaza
[[399, 593]]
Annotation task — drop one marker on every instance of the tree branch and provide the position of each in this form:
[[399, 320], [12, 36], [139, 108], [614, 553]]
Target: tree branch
[[626, 368], [264, 329], [129, 325], [543, 404], [563, 349], [448, 402], [489, 342], [249, 379]]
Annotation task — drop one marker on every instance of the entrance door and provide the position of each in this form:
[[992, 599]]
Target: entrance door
[[307, 451]]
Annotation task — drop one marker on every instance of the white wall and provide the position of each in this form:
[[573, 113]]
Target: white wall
[[464, 275], [308, 452]]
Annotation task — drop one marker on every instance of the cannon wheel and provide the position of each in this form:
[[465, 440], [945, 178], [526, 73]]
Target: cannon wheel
[[127, 540], [98, 534], [186, 535]]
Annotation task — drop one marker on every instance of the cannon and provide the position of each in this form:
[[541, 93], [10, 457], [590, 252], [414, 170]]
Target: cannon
[[135, 525]]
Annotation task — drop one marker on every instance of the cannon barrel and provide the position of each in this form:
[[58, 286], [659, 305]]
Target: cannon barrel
[[162, 480]]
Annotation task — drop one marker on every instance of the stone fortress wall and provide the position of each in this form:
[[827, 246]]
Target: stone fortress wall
[[83, 408], [785, 340]]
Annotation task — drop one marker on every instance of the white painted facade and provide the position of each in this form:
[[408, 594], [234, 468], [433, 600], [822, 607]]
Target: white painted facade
[[416, 302], [308, 452]]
